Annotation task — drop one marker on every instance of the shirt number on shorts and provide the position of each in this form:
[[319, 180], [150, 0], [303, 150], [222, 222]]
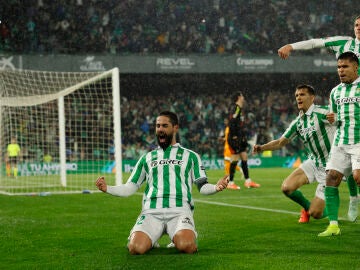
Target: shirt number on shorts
[[140, 220]]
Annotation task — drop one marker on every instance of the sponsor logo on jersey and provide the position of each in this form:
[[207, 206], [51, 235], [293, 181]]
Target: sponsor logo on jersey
[[156, 163], [308, 130], [346, 100]]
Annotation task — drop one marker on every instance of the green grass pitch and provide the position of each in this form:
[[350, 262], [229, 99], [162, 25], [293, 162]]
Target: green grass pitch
[[238, 229]]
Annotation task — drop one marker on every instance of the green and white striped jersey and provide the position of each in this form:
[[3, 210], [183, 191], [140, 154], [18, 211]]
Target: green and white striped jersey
[[337, 44], [345, 102], [315, 132], [169, 176], [340, 44]]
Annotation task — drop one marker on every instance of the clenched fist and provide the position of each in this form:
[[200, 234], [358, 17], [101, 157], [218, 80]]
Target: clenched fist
[[222, 183], [101, 184]]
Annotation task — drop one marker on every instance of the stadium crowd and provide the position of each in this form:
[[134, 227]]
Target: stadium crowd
[[204, 101], [201, 102], [185, 26], [202, 120]]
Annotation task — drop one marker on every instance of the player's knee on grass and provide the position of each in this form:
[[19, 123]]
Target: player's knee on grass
[[139, 243], [138, 248], [185, 241], [186, 246]]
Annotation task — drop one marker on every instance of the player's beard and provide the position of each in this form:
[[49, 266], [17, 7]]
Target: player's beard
[[164, 140]]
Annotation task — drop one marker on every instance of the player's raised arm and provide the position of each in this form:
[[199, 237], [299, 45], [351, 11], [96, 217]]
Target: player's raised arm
[[284, 51]]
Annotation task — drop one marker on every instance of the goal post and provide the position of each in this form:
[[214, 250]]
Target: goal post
[[68, 126]]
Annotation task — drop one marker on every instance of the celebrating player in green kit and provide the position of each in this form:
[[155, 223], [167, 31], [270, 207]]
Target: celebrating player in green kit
[[317, 133], [338, 45], [167, 205], [344, 157]]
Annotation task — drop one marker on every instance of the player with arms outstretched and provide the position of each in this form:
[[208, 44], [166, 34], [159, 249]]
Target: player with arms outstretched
[[167, 206]]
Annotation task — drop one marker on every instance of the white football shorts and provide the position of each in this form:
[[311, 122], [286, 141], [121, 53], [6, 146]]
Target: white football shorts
[[344, 159], [315, 174], [156, 222]]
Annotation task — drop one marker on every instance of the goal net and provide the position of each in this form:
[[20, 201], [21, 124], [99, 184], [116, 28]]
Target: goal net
[[67, 125]]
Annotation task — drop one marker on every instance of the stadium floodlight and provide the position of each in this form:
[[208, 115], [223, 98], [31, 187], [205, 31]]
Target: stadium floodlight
[[67, 125]]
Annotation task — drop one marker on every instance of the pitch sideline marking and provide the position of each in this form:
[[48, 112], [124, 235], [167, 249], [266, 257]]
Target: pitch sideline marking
[[247, 207], [241, 206], [252, 207]]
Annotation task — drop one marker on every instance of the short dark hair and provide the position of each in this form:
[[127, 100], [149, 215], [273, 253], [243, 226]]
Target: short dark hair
[[349, 56], [172, 116], [235, 96], [310, 89]]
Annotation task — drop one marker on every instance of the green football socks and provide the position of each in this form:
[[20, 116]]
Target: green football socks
[[299, 198], [332, 202]]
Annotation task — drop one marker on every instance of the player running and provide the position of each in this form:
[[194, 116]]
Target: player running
[[344, 158], [315, 131]]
